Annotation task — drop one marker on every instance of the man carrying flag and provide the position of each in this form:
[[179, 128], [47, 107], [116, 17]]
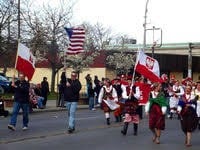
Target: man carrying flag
[[21, 101], [25, 64]]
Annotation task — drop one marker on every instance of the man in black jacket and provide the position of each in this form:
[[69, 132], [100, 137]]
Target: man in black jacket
[[44, 90], [71, 95], [21, 100]]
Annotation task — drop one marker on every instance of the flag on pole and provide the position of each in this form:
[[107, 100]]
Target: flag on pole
[[148, 67], [25, 61], [76, 40]]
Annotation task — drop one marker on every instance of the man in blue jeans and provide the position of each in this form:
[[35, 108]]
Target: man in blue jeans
[[71, 96], [21, 100]]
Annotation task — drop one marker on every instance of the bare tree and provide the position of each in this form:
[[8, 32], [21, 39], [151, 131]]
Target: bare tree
[[97, 37], [7, 43], [46, 32]]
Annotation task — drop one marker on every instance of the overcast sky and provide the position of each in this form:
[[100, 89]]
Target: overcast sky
[[178, 19]]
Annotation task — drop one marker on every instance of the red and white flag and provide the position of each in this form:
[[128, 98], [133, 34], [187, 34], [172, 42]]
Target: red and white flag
[[76, 38], [25, 61], [145, 89], [148, 67]]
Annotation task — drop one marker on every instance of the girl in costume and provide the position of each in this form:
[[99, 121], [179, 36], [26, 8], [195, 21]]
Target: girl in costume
[[186, 109], [107, 98], [156, 108]]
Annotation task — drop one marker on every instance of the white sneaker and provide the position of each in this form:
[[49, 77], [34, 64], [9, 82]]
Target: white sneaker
[[93, 109], [25, 128], [11, 127]]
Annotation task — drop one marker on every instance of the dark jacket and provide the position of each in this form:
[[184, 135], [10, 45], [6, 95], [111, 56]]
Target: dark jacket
[[62, 84], [90, 91], [71, 93], [131, 106], [44, 87], [22, 91]]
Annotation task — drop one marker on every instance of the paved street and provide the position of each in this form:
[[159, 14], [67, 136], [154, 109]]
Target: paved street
[[48, 130]]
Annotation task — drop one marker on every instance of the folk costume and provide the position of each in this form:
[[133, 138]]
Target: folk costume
[[188, 116], [197, 95], [118, 112], [108, 95], [177, 92], [156, 108], [131, 111]]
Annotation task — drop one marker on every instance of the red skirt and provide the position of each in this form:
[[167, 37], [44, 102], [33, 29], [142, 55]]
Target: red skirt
[[119, 110], [189, 119], [105, 107], [156, 118]]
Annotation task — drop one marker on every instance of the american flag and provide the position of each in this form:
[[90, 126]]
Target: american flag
[[76, 38]]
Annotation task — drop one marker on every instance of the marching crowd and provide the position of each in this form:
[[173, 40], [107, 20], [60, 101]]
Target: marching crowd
[[125, 98]]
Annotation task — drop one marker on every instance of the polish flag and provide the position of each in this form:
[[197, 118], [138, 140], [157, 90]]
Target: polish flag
[[148, 67], [145, 89], [25, 61]]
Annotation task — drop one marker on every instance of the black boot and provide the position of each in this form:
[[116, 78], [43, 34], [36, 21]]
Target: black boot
[[108, 121], [135, 127], [120, 118], [171, 115], [199, 126], [125, 128], [116, 118], [179, 117]]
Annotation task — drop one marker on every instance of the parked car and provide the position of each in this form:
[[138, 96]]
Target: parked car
[[10, 79], [5, 84]]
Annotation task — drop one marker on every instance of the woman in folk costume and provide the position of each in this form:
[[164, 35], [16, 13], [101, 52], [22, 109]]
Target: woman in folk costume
[[186, 109], [131, 110], [176, 93], [197, 95], [107, 93], [156, 108]]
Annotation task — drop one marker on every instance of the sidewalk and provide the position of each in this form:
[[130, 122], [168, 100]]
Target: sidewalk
[[50, 107]]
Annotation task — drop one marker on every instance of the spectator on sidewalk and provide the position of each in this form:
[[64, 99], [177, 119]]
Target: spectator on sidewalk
[[21, 100], [88, 81], [44, 90], [71, 95], [97, 89], [62, 86], [36, 100], [91, 97]]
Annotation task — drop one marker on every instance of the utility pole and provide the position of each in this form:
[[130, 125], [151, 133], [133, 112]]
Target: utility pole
[[155, 43], [190, 60], [145, 24], [18, 18]]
